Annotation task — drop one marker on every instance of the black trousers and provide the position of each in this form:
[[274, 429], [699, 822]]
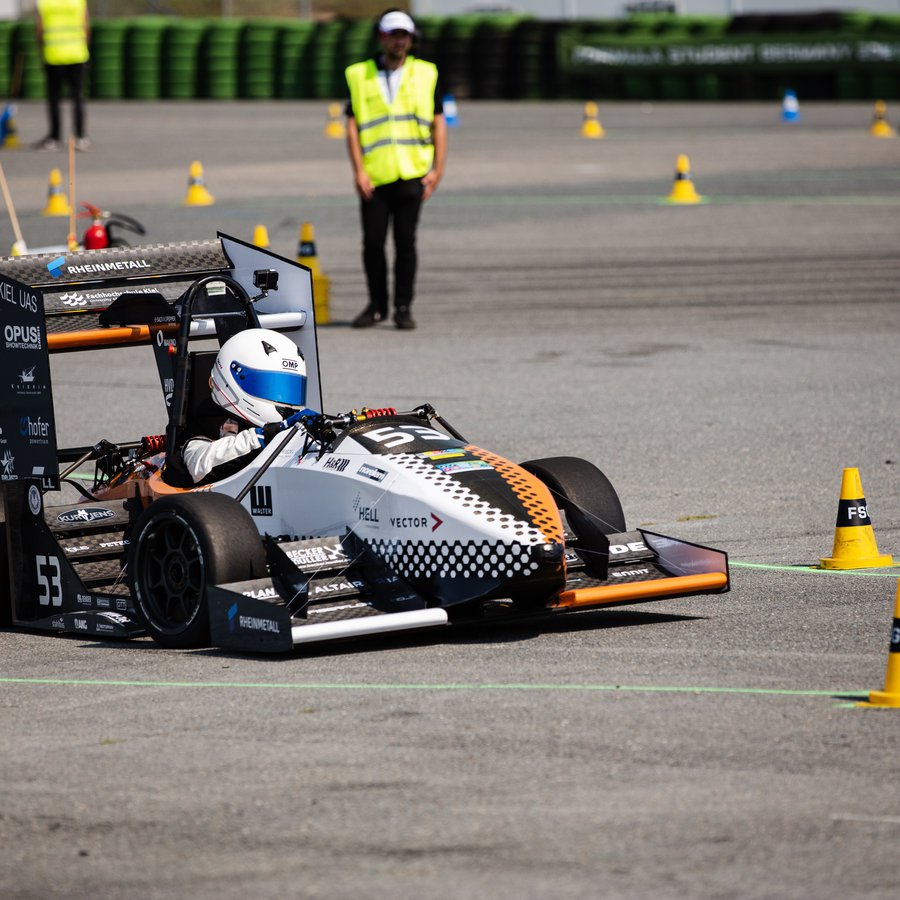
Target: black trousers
[[57, 77], [397, 203]]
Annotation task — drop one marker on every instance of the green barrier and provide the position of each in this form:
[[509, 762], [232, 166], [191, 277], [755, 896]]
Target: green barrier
[[293, 71], [107, 67], [29, 59], [327, 74], [219, 67], [181, 53], [258, 51], [144, 52], [7, 37]]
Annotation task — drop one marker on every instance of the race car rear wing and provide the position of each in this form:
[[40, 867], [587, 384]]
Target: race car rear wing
[[51, 304]]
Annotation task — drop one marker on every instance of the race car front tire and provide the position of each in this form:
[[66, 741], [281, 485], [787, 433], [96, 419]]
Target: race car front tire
[[179, 546], [587, 497]]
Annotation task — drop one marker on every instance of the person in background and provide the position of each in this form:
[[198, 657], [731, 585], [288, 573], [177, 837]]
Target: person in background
[[397, 143], [63, 32]]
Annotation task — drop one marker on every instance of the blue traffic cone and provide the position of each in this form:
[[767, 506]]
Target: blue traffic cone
[[790, 107], [451, 114]]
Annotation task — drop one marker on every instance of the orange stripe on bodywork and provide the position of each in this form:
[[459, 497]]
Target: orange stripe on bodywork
[[641, 590], [98, 337], [534, 494]]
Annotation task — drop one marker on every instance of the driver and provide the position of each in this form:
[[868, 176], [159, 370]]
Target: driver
[[259, 379]]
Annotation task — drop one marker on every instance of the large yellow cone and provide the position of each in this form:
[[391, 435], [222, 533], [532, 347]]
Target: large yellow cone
[[261, 237], [334, 127], [890, 696], [197, 194], [57, 202], [683, 190], [591, 127], [854, 538], [306, 255], [880, 127]]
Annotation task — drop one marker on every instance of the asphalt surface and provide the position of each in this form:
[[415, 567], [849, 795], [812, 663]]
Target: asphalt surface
[[721, 363]]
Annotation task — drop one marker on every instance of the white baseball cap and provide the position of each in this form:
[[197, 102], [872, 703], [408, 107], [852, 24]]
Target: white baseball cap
[[396, 21]]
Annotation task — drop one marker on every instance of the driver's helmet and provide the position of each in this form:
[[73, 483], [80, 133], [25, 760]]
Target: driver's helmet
[[260, 376]]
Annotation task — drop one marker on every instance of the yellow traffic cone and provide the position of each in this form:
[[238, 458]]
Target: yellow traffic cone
[[11, 133], [880, 126], [334, 128], [683, 190], [890, 696], [197, 194], [854, 538], [261, 237], [306, 255], [591, 127], [57, 202], [18, 249]]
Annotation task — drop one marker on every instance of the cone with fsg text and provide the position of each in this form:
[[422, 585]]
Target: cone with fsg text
[[890, 696], [854, 537]]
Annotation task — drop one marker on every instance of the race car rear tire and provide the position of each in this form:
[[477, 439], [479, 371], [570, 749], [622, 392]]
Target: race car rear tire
[[179, 546], [587, 497]]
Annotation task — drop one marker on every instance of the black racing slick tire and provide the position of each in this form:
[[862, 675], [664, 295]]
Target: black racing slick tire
[[178, 547], [585, 494]]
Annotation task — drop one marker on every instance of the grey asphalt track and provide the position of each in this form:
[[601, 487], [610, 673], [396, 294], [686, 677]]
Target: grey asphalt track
[[721, 363]]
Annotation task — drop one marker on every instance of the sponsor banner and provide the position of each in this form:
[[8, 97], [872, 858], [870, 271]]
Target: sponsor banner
[[27, 429], [582, 53]]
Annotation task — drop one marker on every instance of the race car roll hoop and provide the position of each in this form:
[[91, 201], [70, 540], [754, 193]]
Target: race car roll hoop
[[345, 525]]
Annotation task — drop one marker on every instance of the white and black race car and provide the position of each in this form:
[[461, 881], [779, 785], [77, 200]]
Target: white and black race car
[[364, 522]]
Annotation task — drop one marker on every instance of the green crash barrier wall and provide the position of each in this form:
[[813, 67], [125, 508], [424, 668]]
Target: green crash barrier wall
[[822, 56]]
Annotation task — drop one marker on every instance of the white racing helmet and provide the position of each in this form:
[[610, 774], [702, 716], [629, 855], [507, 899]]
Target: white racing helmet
[[260, 376]]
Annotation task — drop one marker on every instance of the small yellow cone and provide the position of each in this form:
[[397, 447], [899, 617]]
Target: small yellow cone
[[18, 249], [334, 128], [591, 127], [321, 283], [197, 194], [261, 237], [683, 190], [11, 138], [890, 696], [854, 538], [880, 127], [57, 202]]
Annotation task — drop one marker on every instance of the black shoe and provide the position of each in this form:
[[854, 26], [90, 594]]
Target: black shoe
[[367, 318], [403, 319]]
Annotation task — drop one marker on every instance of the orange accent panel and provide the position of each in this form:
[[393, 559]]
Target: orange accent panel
[[641, 590], [99, 337], [533, 493]]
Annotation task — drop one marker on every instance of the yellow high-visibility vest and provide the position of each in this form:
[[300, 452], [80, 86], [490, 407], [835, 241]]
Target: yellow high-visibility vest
[[65, 35], [395, 138]]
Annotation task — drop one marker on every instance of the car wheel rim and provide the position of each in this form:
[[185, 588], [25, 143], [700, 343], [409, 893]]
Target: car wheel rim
[[170, 576]]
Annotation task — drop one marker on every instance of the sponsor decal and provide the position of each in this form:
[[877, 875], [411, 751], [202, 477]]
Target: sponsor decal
[[267, 593], [106, 545], [54, 267], [251, 623], [83, 515], [103, 603], [630, 573], [437, 522], [26, 376], [57, 622], [8, 462], [442, 454], [261, 500], [116, 618], [17, 295], [73, 300], [409, 522], [34, 500], [81, 548], [84, 599], [336, 463], [633, 547], [372, 472], [368, 514], [80, 624], [104, 627], [22, 337], [466, 465], [307, 556], [292, 365], [36, 430], [124, 265]]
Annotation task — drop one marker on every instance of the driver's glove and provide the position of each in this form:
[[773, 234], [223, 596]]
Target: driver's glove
[[270, 429]]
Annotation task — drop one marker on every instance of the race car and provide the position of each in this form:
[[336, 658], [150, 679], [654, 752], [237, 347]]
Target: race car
[[347, 524]]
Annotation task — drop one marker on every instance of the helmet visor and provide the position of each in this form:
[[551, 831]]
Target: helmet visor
[[280, 388]]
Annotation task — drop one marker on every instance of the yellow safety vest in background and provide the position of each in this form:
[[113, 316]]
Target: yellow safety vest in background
[[396, 139], [65, 37]]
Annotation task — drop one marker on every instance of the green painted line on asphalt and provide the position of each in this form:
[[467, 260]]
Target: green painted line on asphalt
[[404, 686], [813, 570]]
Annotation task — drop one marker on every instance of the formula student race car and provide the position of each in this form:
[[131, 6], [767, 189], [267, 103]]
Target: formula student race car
[[343, 525]]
